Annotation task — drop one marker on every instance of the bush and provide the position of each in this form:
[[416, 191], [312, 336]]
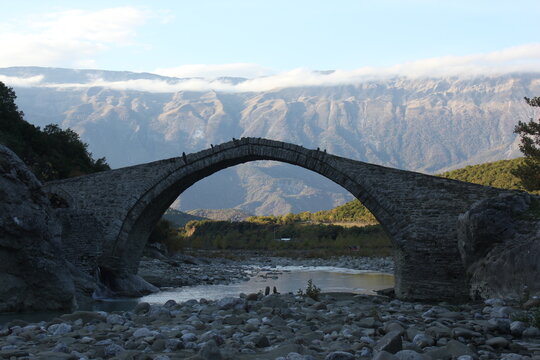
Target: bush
[[312, 291], [165, 233]]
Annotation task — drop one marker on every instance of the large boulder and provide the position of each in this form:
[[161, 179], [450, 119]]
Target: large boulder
[[33, 274], [499, 242]]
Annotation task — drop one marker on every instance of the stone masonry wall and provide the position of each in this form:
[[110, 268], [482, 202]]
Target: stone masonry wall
[[81, 235]]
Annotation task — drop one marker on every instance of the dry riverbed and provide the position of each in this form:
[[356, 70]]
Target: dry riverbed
[[337, 327]]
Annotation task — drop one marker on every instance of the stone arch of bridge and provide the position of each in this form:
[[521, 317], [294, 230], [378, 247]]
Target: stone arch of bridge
[[162, 192], [419, 212]]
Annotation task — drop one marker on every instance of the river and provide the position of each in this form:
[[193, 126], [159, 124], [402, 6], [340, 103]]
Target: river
[[284, 278]]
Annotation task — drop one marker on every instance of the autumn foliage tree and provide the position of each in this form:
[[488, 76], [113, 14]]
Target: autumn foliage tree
[[529, 171]]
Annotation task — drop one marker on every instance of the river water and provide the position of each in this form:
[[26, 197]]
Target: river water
[[284, 278]]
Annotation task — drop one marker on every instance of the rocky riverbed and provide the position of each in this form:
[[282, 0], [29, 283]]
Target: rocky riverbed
[[184, 270], [336, 327]]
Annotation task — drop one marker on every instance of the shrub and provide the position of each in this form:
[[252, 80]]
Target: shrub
[[312, 291]]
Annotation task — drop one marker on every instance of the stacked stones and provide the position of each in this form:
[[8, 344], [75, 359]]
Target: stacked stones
[[283, 327]]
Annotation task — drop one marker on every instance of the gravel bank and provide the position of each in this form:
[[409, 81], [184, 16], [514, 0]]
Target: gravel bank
[[279, 327], [184, 270]]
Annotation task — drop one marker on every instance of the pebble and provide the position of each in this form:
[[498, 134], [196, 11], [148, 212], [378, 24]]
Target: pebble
[[390, 342], [113, 350], [59, 329], [497, 342], [422, 340], [410, 355], [142, 332], [517, 328], [339, 355]]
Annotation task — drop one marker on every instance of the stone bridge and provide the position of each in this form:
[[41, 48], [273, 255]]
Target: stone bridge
[[419, 212]]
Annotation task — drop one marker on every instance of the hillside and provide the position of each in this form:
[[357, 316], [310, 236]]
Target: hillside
[[220, 214], [497, 174], [424, 124], [351, 213], [179, 218]]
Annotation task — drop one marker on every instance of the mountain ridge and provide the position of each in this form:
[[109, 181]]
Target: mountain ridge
[[426, 125]]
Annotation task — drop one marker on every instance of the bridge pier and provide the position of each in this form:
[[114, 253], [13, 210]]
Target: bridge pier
[[430, 275]]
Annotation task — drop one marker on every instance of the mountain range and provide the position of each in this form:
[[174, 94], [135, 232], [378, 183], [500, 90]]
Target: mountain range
[[425, 124]]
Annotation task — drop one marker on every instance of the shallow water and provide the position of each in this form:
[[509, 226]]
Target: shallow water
[[284, 278]]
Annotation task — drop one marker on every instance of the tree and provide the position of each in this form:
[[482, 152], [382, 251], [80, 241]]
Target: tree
[[529, 171], [52, 153], [7, 103]]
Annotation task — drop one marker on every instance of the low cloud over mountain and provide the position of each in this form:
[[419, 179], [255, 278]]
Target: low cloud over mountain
[[421, 123]]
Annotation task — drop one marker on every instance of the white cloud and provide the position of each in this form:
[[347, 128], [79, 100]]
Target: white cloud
[[212, 71], [22, 81], [523, 58], [68, 38], [518, 58]]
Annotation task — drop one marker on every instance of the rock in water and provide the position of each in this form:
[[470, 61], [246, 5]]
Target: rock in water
[[33, 274]]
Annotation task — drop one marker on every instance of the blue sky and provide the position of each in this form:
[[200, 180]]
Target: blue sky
[[252, 38]]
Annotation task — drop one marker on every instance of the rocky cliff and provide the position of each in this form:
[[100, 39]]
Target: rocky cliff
[[499, 242], [33, 274], [48, 257]]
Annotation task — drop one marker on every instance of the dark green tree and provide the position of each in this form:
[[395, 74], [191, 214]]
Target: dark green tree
[[8, 108], [52, 153], [529, 171]]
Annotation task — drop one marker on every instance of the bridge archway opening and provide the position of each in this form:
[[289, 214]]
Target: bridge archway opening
[[368, 241], [143, 216], [149, 218], [264, 188]]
